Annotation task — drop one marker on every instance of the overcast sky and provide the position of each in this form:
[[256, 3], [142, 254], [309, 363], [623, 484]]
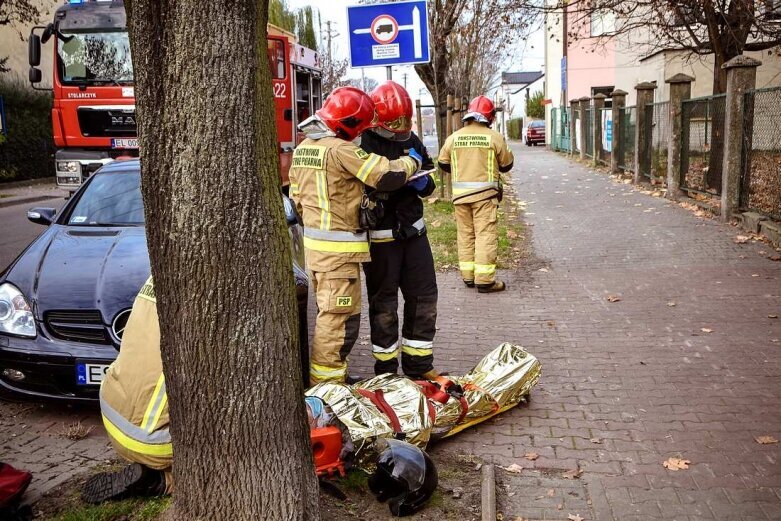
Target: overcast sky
[[527, 56]]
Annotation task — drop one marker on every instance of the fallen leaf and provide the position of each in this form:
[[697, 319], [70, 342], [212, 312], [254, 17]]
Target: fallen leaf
[[531, 456], [595, 440], [432, 200], [514, 468], [755, 275], [772, 316], [499, 516], [676, 464], [544, 270], [574, 517], [512, 234], [551, 492], [573, 474], [613, 298], [766, 440], [706, 330], [519, 518], [436, 224], [671, 304], [741, 239], [363, 343]]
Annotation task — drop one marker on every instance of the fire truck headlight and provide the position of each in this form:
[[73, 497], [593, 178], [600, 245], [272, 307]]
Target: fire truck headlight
[[69, 167]]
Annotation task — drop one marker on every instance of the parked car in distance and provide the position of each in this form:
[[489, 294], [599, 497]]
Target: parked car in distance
[[65, 300], [534, 133]]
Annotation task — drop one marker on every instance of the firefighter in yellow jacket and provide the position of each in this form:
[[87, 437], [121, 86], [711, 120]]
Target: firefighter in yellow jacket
[[327, 178], [476, 156], [134, 406]]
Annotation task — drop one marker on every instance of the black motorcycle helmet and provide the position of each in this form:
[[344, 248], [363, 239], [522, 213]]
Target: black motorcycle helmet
[[405, 477]]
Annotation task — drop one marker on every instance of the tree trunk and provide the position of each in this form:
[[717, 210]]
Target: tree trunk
[[221, 261]]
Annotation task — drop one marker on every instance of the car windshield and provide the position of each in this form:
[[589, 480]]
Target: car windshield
[[110, 199], [95, 57], [537, 124]]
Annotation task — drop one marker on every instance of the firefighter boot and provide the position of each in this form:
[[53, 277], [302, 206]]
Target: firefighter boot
[[134, 480], [495, 287]]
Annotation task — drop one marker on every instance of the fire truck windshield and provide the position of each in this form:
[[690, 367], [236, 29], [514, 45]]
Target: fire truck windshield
[[94, 57]]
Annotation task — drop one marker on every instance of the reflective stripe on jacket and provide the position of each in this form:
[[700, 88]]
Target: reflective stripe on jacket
[[326, 179], [476, 156], [133, 398]]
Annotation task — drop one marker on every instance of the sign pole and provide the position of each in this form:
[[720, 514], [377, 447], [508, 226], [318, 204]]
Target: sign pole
[[389, 72]]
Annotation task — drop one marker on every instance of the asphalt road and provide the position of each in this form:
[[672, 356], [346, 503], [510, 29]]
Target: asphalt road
[[16, 232]]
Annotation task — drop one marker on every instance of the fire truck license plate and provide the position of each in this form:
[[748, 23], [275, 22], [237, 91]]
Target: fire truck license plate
[[124, 143]]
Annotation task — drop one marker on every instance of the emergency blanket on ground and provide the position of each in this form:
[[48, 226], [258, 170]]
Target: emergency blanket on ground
[[419, 413]]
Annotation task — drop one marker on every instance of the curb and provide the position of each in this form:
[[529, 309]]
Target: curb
[[14, 201], [488, 493]]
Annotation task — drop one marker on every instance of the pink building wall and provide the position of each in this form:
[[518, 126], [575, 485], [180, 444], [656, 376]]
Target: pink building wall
[[588, 65]]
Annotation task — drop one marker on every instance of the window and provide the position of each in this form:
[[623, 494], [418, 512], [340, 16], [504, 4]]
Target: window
[[771, 9], [111, 199], [276, 59], [603, 22], [95, 57]]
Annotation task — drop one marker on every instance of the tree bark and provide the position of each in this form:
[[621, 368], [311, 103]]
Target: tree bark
[[221, 261]]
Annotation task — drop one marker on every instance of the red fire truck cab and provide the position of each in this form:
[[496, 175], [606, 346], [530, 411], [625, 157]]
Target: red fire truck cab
[[94, 112]]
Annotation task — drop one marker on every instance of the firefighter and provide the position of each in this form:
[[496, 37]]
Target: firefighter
[[476, 156], [327, 178], [134, 406], [400, 251]]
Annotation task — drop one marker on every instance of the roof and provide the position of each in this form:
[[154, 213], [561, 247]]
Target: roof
[[521, 78]]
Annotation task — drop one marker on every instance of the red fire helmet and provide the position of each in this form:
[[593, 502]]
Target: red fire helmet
[[481, 109], [394, 109], [348, 112]]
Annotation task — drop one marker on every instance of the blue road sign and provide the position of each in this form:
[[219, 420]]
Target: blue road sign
[[388, 34]]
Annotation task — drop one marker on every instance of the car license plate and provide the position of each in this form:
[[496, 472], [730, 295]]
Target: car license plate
[[90, 374], [124, 143]]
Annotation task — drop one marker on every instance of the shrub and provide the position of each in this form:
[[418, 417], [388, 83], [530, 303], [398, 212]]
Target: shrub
[[514, 128], [27, 150]]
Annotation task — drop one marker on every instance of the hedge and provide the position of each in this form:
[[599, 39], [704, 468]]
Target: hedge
[[514, 128], [27, 149]]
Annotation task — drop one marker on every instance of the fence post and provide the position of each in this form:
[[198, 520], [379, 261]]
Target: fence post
[[617, 143], [741, 76], [643, 134], [680, 90], [573, 106], [585, 102], [599, 104]]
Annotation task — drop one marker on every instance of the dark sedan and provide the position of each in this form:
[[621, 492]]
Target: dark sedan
[[65, 300]]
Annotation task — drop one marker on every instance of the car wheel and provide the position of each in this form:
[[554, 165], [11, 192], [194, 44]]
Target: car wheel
[[528, 143]]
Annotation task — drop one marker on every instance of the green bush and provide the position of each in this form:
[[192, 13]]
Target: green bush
[[27, 150], [514, 128]]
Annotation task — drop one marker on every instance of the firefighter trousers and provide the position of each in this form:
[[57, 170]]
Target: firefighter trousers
[[406, 265], [477, 240], [338, 297]]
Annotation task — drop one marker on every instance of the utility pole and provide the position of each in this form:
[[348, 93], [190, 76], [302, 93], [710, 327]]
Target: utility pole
[[328, 24], [405, 80]]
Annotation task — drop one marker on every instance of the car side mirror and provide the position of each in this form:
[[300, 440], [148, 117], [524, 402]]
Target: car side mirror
[[35, 75], [44, 216]]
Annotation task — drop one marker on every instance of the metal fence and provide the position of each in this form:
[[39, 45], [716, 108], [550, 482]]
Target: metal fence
[[589, 137], [760, 189], [702, 144], [560, 129], [658, 119], [608, 140], [626, 160]]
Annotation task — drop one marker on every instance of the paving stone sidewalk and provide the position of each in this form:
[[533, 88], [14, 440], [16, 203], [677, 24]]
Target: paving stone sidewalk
[[625, 384], [686, 364]]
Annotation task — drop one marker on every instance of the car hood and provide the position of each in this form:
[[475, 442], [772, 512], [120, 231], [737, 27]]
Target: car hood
[[79, 268]]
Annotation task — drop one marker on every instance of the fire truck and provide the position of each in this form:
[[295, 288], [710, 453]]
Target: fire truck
[[94, 112]]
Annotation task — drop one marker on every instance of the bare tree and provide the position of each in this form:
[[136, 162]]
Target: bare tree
[[468, 38], [17, 14], [723, 28], [221, 261]]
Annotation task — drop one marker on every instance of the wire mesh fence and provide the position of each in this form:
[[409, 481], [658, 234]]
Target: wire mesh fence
[[702, 144], [760, 189], [606, 118], [628, 116], [658, 119], [589, 137]]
